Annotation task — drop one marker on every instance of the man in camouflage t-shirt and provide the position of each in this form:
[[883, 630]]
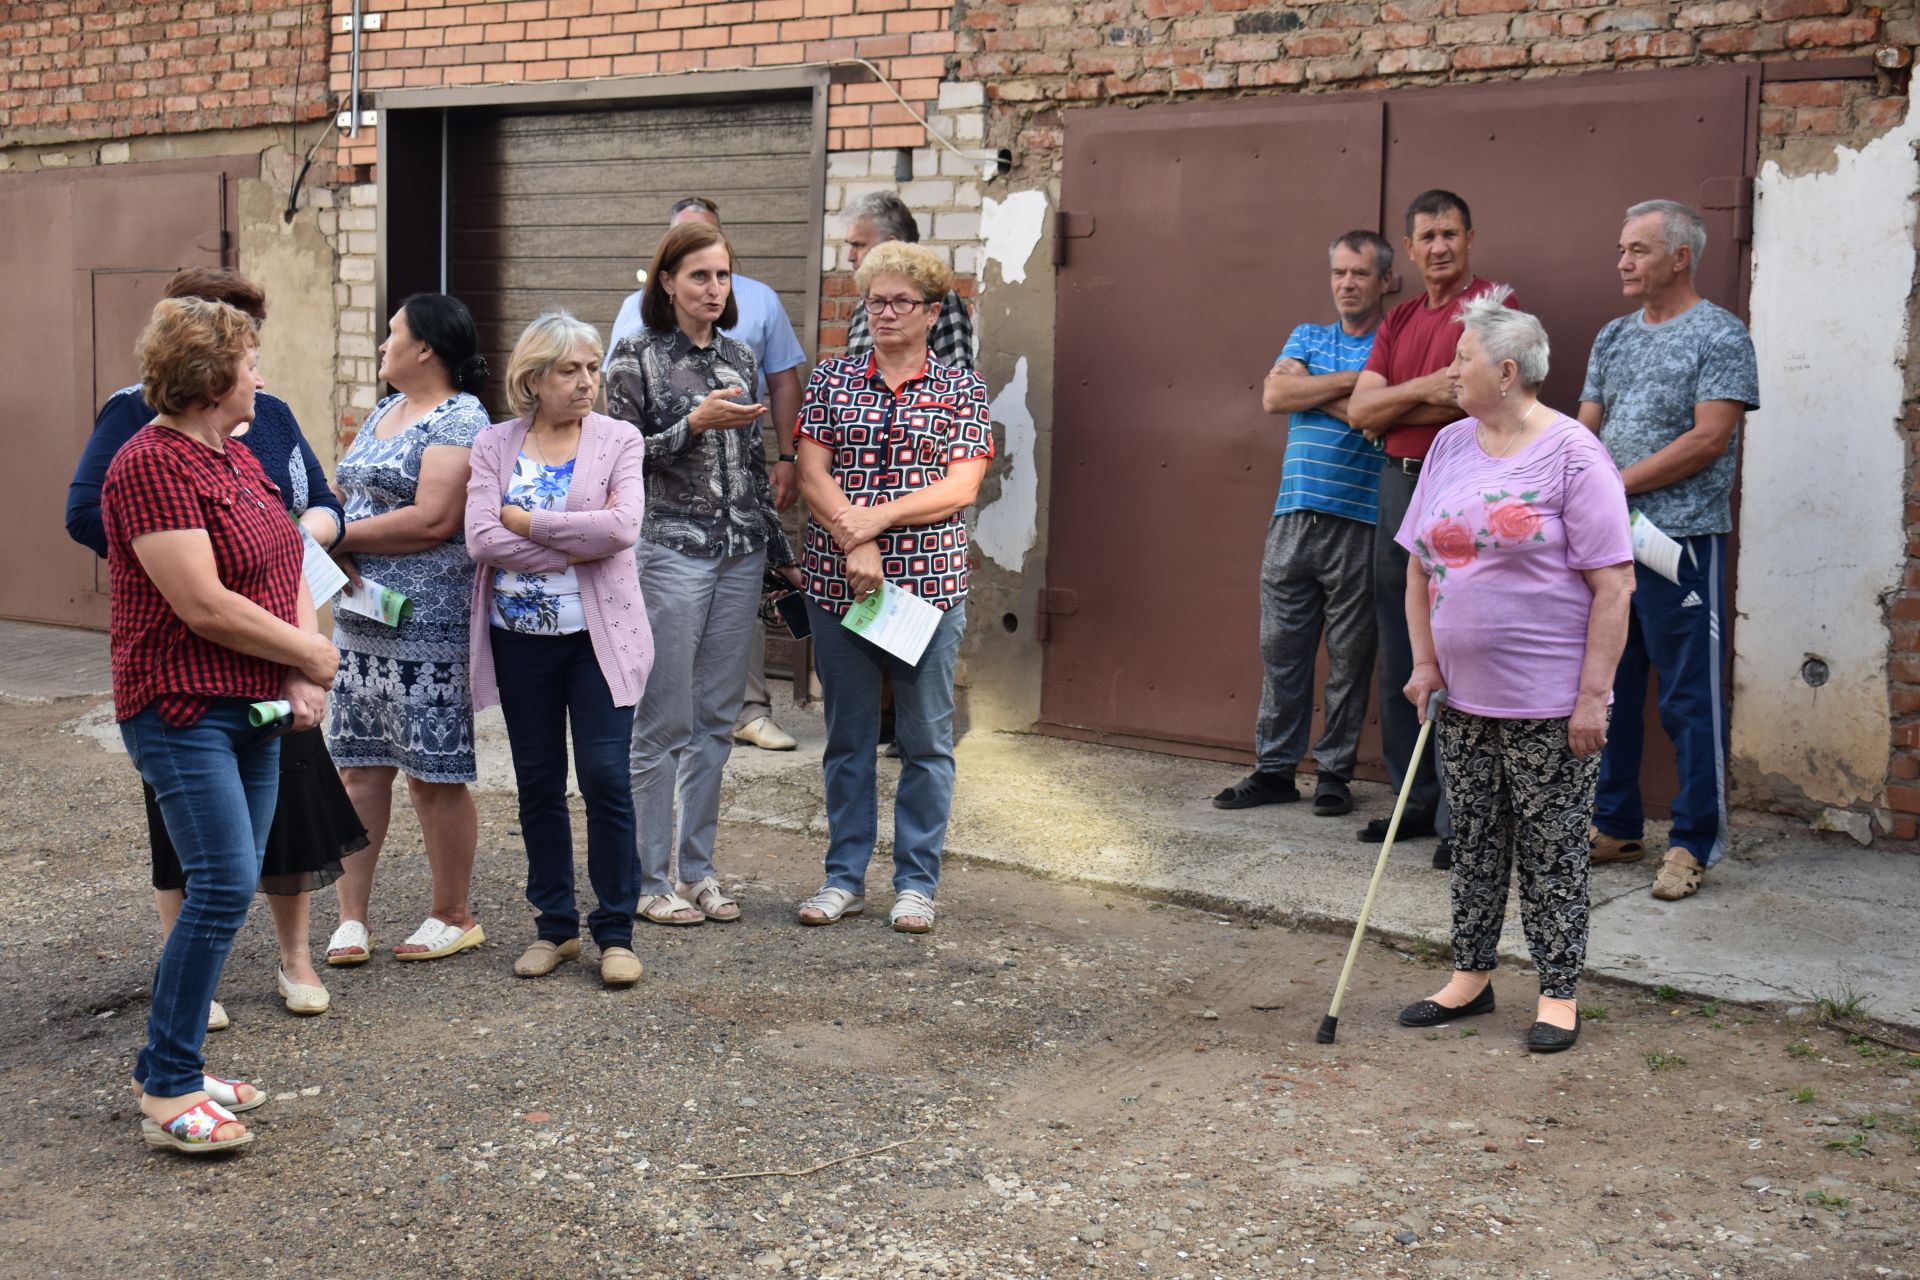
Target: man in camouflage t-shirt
[[1667, 388]]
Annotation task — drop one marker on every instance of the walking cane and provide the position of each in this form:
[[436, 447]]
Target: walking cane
[[1330, 1023]]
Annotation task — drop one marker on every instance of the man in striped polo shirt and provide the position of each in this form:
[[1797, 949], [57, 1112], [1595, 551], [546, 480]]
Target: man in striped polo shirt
[[1317, 572]]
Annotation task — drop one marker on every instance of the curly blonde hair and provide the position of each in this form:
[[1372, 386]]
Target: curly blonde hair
[[915, 263], [190, 353]]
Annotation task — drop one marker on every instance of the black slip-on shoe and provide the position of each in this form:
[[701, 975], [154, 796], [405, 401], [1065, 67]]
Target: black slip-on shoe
[[1331, 798], [1544, 1037], [1428, 1013], [1412, 827], [1443, 855], [1258, 789]]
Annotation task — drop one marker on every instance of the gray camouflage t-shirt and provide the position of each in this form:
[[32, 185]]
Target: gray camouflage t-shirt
[[1649, 377]]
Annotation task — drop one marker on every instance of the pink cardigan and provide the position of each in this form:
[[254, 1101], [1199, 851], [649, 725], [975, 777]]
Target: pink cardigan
[[609, 461]]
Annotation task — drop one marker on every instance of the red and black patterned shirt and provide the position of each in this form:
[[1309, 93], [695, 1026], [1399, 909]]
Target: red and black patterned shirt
[[162, 480], [886, 445]]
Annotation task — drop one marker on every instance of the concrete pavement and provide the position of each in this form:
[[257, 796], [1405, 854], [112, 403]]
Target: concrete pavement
[[1791, 915]]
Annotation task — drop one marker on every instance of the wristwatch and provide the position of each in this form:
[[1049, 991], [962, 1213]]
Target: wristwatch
[[789, 457]]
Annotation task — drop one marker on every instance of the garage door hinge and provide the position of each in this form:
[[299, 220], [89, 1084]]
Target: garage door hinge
[[1068, 226], [1055, 600], [1731, 195]]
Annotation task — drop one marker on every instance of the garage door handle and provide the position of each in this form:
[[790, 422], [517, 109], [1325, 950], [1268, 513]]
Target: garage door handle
[[1068, 226]]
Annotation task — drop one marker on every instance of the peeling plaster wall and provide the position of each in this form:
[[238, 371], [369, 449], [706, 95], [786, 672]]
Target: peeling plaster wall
[[295, 265], [1822, 541]]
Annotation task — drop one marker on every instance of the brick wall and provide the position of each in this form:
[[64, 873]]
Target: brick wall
[[1037, 57], [73, 70], [436, 42]]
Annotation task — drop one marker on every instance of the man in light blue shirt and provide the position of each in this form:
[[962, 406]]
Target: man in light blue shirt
[[1317, 571], [765, 328]]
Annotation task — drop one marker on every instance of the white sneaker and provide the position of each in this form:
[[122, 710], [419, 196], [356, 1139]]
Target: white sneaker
[[217, 1019], [765, 734]]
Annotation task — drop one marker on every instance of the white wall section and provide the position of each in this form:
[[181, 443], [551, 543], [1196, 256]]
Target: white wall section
[[1004, 529], [1011, 229]]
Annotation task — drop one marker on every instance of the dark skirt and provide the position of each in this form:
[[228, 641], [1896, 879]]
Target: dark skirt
[[314, 824]]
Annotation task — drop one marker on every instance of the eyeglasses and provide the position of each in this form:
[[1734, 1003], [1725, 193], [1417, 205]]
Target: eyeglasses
[[899, 306]]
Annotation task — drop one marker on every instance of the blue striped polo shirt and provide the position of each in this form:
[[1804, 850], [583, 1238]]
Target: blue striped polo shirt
[[1329, 466]]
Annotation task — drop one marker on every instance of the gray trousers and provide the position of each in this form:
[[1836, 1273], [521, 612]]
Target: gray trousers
[[1316, 573], [703, 611], [1399, 723]]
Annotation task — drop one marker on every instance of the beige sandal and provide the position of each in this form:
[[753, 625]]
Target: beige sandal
[[1680, 876], [668, 908], [712, 900]]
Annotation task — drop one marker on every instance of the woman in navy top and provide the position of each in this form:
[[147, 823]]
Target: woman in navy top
[[314, 823]]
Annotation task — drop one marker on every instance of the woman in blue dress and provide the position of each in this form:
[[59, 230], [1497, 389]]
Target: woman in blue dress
[[401, 701]]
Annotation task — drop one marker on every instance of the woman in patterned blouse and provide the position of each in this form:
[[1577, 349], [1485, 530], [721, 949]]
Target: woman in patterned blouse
[[210, 613], [893, 446], [709, 535]]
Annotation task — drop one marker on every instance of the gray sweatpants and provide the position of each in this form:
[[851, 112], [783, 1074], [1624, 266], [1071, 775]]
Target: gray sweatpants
[[1317, 573], [703, 611]]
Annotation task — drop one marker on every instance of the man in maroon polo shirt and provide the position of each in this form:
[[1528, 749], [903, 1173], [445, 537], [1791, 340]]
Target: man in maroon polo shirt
[[1401, 401]]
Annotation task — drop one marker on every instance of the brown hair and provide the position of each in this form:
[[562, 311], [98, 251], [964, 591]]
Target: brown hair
[[217, 284], [189, 351], [656, 308]]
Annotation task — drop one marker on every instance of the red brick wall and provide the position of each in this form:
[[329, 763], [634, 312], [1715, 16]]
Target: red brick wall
[[74, 70], [437, 42], [1038, 56]]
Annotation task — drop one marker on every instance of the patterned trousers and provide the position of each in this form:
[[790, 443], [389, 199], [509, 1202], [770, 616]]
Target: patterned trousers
[[1519, 796]]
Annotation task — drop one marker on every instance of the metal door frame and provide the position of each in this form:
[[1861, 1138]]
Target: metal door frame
[[639, 91]]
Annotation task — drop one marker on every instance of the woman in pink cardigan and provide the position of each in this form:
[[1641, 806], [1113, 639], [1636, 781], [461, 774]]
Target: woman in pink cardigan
[[560, 630]]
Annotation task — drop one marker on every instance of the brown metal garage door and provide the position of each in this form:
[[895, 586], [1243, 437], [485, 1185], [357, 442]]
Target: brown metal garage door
[[559, 208], [87, 254], [1197, 237]]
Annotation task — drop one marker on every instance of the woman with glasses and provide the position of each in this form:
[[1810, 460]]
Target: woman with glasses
[[893, 446], [708, 535]]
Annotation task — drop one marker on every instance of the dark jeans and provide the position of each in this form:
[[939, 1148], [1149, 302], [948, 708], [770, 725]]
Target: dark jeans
[[1675, 631], [1399, 724], [544, 682], [217, 780]]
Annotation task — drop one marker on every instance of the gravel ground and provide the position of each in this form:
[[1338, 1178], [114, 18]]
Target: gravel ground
[[1059, 1082]]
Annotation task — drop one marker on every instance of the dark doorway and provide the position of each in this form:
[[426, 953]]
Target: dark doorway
[[1197, 237]]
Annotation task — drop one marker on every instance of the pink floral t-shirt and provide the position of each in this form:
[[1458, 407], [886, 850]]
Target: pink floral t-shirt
[[1505, 543]]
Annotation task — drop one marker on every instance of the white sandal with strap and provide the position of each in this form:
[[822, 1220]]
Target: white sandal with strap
[[711, 899], [351, 943], [831, 903], [912, 905], [666, 908], [440, 940]]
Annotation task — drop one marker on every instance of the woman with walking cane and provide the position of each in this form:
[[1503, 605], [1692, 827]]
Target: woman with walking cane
[[1517, 599]]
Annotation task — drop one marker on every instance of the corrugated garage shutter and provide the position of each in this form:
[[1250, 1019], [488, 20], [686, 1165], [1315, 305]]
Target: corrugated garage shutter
[[558, 209]]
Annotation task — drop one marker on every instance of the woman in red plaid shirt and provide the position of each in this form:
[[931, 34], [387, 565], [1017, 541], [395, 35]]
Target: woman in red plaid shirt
[[210, 614]]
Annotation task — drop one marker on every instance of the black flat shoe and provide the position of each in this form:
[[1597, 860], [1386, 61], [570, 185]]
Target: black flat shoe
[[1443, 856], [1331, 798], [1412, 826], [1258, 789], [1428, 1013], [1544, 1037]]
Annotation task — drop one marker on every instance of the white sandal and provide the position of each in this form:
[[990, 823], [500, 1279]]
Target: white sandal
[[665, 908], [440, 940], [831, 903], [711, 899], [351, 943], [912, 905]]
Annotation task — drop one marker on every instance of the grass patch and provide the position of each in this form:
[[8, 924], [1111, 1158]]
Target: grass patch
[[1667, 993], [1842, 1003], [1802, 1050], [1854, 1144], [1468, 1033], [1871, 1050], [1711, 1009], [1594, 1012], [1802, 1094], [1824, 1200], [1661, 1060]]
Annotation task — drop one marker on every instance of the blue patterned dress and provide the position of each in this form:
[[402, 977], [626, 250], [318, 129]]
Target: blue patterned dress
[[402, 698]]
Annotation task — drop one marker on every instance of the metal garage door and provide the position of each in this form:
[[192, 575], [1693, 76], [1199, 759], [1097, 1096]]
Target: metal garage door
[[1197, 236], [559, 208]]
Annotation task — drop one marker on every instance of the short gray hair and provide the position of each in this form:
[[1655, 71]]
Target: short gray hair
[[1506, 334], [1680, 224], [544, 343], [889, 214], [1360, 242]]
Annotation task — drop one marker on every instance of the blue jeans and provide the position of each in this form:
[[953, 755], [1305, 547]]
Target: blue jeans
[[850, 671], [217, 781], [545, 681], [1676, 631]]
